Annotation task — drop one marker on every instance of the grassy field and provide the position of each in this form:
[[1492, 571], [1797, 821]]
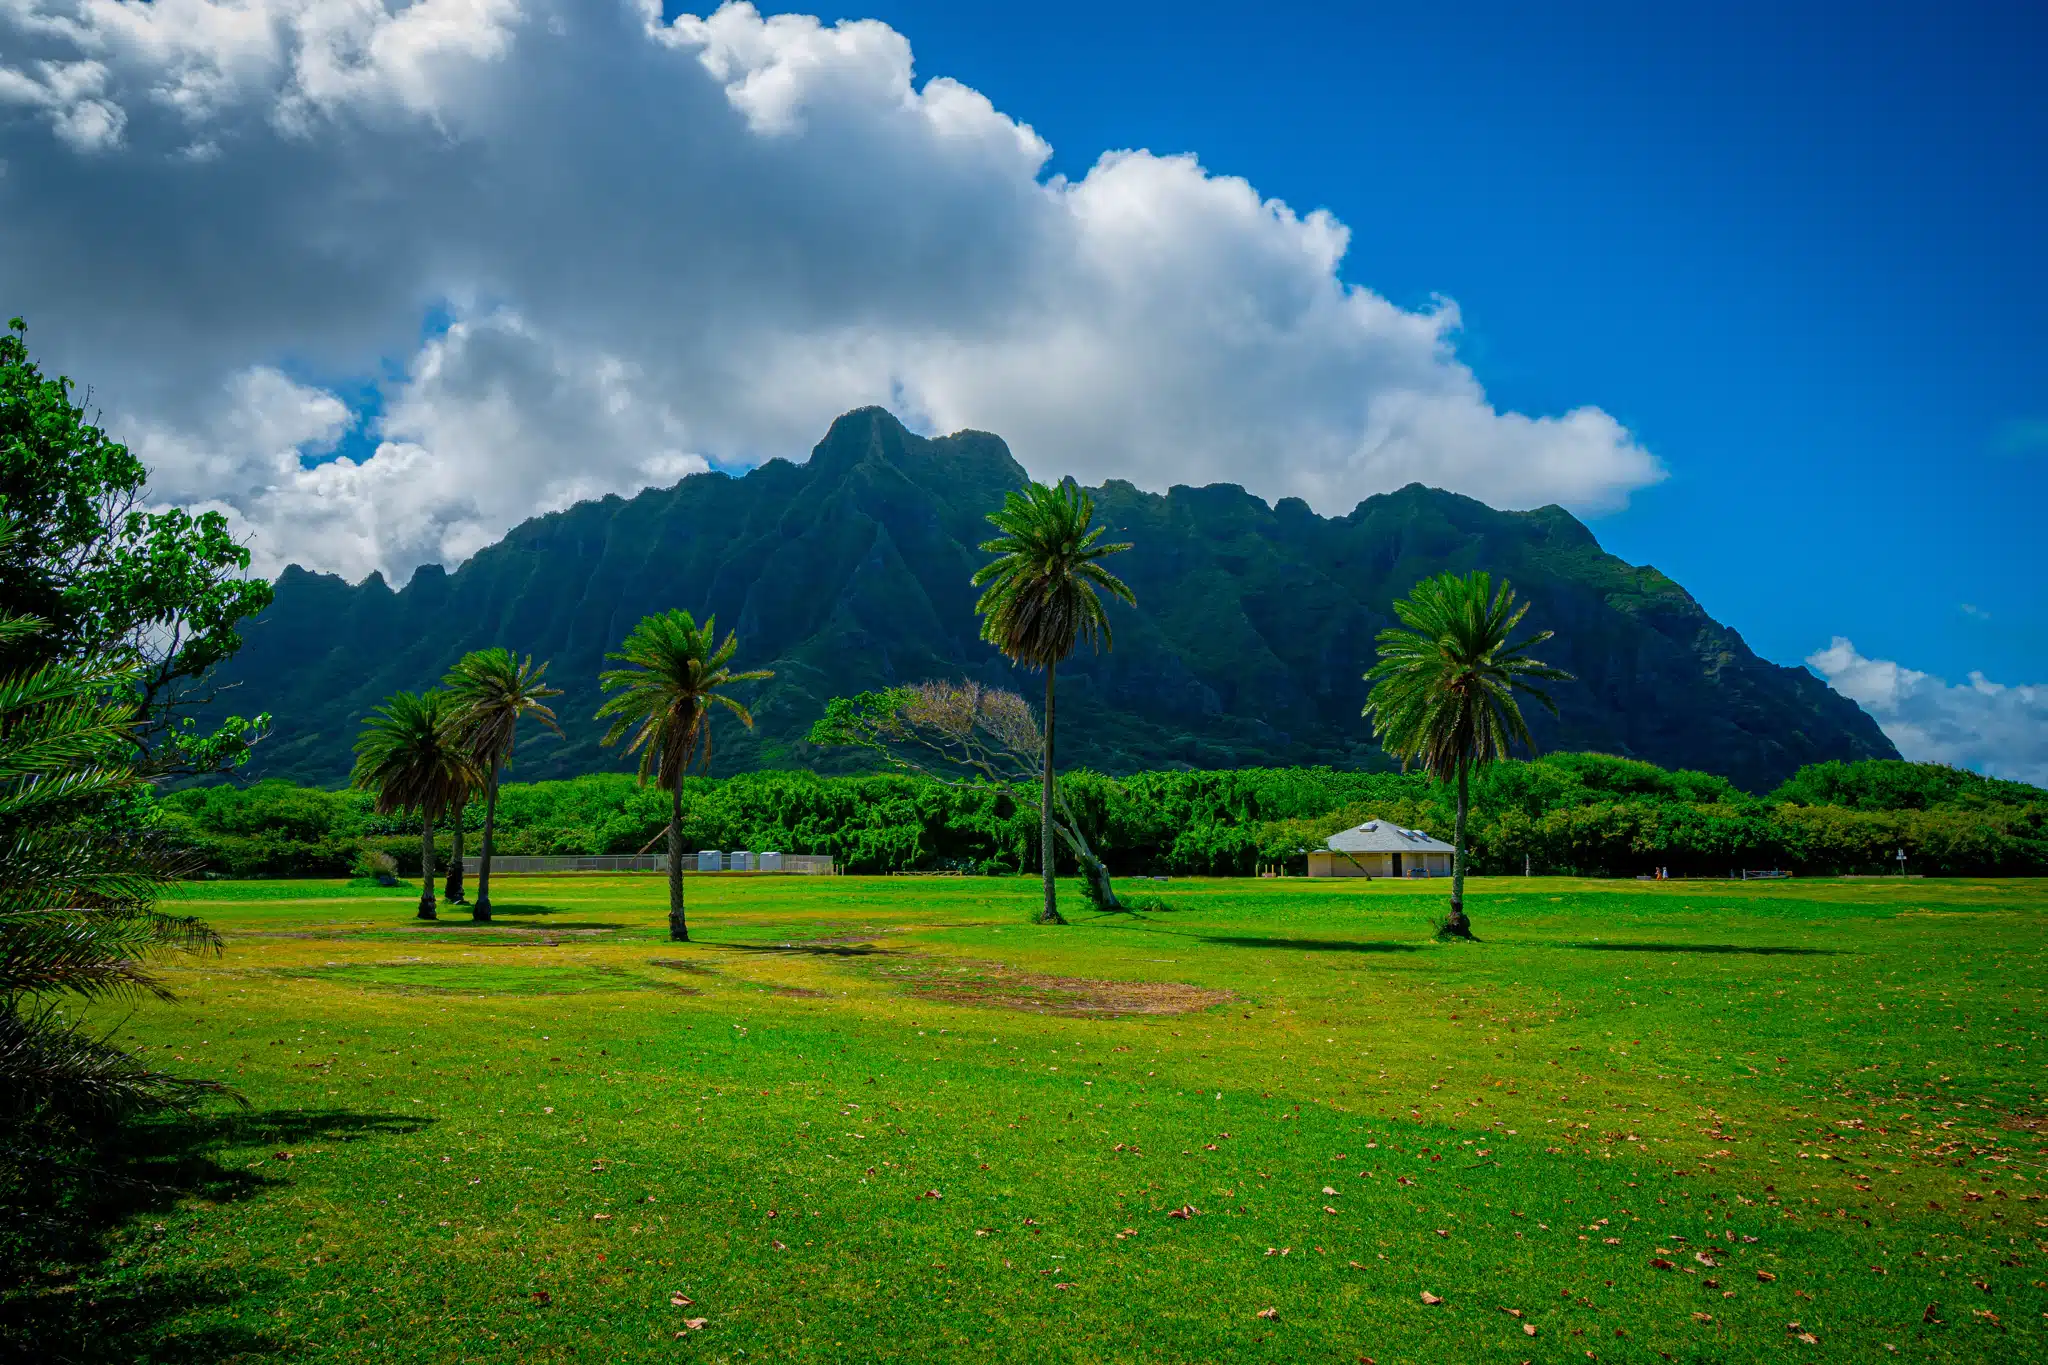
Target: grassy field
[[867, 1118]]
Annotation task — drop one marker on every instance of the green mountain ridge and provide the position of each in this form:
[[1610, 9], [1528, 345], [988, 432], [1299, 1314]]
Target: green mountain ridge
[[1253, 625]]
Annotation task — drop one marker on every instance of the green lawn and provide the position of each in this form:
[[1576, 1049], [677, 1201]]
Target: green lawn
[[880, 1117]]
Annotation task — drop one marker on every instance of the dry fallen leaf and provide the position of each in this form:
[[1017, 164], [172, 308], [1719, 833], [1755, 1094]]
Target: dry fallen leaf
[[678, 1301], [780, 1247], [1358, 1265], [1659, 1263], [1705, 1260], [695, 1324], [1328, 1190], [1430, 1299], [1702, 1317], [1328, 1209], [1184, 1211], [1529, 1329], [1270, 1314], [1765, 1276], [1931, 1315]]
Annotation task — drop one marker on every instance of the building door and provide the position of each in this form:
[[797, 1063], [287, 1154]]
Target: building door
[[1397, 863]]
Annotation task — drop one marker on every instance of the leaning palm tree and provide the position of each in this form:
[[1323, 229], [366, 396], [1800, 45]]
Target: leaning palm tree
[[492, 693], [1443, 693], [673, 676], [1041, 595], [411, 755]]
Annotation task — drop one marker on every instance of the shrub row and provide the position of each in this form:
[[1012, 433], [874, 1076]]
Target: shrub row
[[1565, 813]]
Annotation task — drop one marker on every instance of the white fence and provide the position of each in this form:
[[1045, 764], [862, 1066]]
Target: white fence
[[801, 864]]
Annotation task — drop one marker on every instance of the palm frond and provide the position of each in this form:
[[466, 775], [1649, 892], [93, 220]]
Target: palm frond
[[660, 701], [490, 693], [46, 1056], [412, 757], [1042, 593], [1445, 687]]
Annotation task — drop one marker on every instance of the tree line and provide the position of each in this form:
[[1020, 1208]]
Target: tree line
[[1566, 814]]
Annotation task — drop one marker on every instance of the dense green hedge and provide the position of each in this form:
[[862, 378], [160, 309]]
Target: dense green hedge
[[1577, 813]]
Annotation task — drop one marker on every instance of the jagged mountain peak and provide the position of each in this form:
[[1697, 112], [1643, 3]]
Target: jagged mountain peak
[[1253, 627]]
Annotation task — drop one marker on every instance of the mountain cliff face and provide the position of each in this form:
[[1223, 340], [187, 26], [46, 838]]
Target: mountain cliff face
[[1252, 629]]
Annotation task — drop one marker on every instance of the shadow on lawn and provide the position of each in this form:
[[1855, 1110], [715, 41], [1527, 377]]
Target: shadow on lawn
[[1313, 945], [813, 949], [77, 1206], [1702, 948]]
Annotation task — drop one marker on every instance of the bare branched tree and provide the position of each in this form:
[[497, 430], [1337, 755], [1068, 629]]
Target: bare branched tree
[[959, 733]]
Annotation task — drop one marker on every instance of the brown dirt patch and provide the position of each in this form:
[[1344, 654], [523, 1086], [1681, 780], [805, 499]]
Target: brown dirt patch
[[679, 964], [799, 992], [997, 987]]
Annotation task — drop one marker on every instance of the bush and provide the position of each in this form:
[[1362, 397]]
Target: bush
[[375, 865]]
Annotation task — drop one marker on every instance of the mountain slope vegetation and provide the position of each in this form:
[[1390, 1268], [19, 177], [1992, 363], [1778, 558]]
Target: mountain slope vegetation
[[1253, 626]]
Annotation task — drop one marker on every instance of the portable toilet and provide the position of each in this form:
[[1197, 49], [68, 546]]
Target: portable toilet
[[771, 861], [707, 860], [742, 861]]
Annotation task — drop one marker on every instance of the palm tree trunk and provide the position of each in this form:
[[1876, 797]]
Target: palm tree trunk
[[481, 911], [678, 927], [1457, 926], [1046, 851], [427, 867], [453, 891]]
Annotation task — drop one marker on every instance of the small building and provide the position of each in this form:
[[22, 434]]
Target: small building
[[1381, 848]]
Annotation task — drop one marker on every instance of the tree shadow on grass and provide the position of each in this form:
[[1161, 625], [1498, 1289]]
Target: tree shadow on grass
[[76, 1227], [1753, 951], [512, 918], [813, 949], [1312, 945]]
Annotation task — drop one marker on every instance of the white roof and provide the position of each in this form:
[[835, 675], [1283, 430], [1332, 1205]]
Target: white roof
[[1384, 836]]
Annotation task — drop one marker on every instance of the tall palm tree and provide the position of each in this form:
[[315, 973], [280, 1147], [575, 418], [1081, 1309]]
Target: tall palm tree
[[492, 693], [1443, 691], [412, 757], [1041, 594], [673, 676]]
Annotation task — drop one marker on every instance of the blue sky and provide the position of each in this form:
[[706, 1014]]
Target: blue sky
[[1796, 248], [1754, 289]]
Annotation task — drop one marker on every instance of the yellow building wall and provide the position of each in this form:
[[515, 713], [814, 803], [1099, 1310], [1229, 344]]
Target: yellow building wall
[[1323, 863]]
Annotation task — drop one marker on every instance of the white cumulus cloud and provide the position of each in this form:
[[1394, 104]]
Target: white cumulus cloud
[[648, 246], [1993, 728]]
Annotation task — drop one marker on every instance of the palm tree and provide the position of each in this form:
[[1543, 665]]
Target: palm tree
[[1041, 595], [452, 889], [491, 693], [1443, 693], [412, 757], [78, 886], [672, 678]]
